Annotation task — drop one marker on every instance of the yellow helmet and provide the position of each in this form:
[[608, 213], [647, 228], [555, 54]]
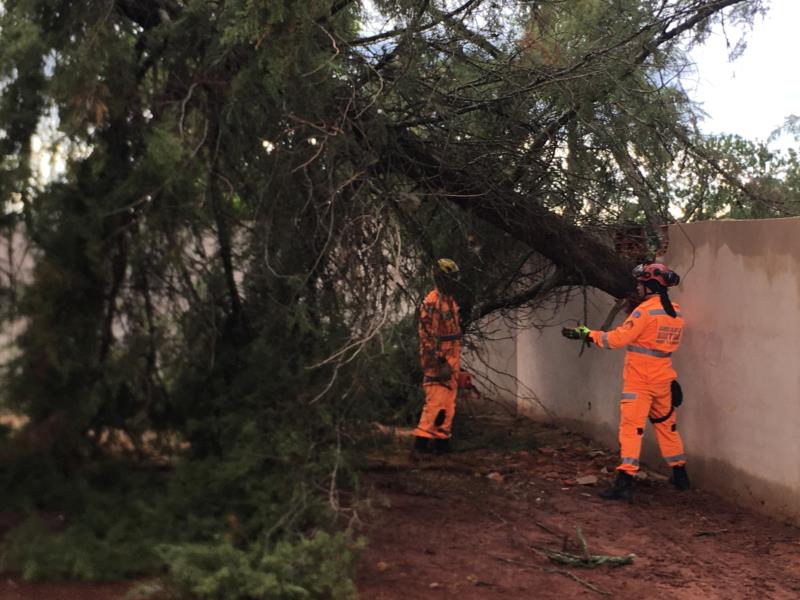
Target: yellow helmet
[[447, 266]]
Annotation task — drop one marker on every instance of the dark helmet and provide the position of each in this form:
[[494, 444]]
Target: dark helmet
[[657, 272]]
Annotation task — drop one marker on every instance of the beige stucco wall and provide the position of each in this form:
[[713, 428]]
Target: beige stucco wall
[[576, 387], [739, 363], [493, 364]]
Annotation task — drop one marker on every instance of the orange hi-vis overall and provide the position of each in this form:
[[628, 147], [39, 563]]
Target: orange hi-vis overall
[[439, 338], [650, 336]]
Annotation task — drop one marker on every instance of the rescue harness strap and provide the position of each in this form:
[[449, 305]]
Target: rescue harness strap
[[664, 418], [449, 338], [444, 381]]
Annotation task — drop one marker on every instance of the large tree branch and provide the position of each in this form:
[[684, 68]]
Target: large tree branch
[[587, 258], [148, 13], [637, 180], [557, 279], [416, 30]]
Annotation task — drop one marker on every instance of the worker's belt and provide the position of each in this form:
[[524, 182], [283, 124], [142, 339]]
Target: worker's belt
[[449, 338], [648, 351], [442, 380]]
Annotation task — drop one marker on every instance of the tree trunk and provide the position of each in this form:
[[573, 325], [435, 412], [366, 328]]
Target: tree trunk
[[593, 261]]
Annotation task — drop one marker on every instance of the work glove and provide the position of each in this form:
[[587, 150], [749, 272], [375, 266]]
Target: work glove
[[577, 333]]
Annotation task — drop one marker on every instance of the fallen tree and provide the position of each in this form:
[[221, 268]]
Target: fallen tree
[[251, 197]]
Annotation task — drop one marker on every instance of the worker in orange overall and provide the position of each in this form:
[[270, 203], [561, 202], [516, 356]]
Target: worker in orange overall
[[650, 334], [440, 356]]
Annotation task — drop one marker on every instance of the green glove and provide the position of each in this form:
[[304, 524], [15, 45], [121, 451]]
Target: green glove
[[576, 333]]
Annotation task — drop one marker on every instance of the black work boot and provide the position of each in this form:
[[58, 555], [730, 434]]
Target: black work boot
[[680, 479], [622, 488], [422, 445], [441, 446]]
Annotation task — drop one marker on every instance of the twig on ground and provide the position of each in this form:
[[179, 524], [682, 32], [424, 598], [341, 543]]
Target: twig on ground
[[585, 559], [558, 534], [494, 514], [583, 582], [584, 546], [594, 560], [715, 532]]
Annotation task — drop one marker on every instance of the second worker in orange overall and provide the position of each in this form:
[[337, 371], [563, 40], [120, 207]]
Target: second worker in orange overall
[[440, 355], [650, 335]]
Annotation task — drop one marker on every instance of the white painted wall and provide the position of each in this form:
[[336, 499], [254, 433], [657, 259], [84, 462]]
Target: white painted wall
[[494, 365], [581, 388], [739, 364], [740, 360]]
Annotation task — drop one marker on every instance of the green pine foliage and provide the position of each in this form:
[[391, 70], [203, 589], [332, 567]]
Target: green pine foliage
[[312, 567], [80, 553], [226, 270]]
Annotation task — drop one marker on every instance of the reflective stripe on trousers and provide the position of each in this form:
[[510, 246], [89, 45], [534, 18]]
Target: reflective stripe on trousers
[[678, 459]]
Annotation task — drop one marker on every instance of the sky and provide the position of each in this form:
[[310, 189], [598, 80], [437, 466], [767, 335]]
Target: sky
[[752, 95]]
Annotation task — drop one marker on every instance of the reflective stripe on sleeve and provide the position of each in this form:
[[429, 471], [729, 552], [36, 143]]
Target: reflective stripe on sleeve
[[629, 395], [604, 340], [630, 461], [648, 351], [661, 311], [637, 314]]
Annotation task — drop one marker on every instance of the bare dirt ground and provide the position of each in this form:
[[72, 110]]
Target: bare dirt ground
[[479, 524], [14, 589]]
